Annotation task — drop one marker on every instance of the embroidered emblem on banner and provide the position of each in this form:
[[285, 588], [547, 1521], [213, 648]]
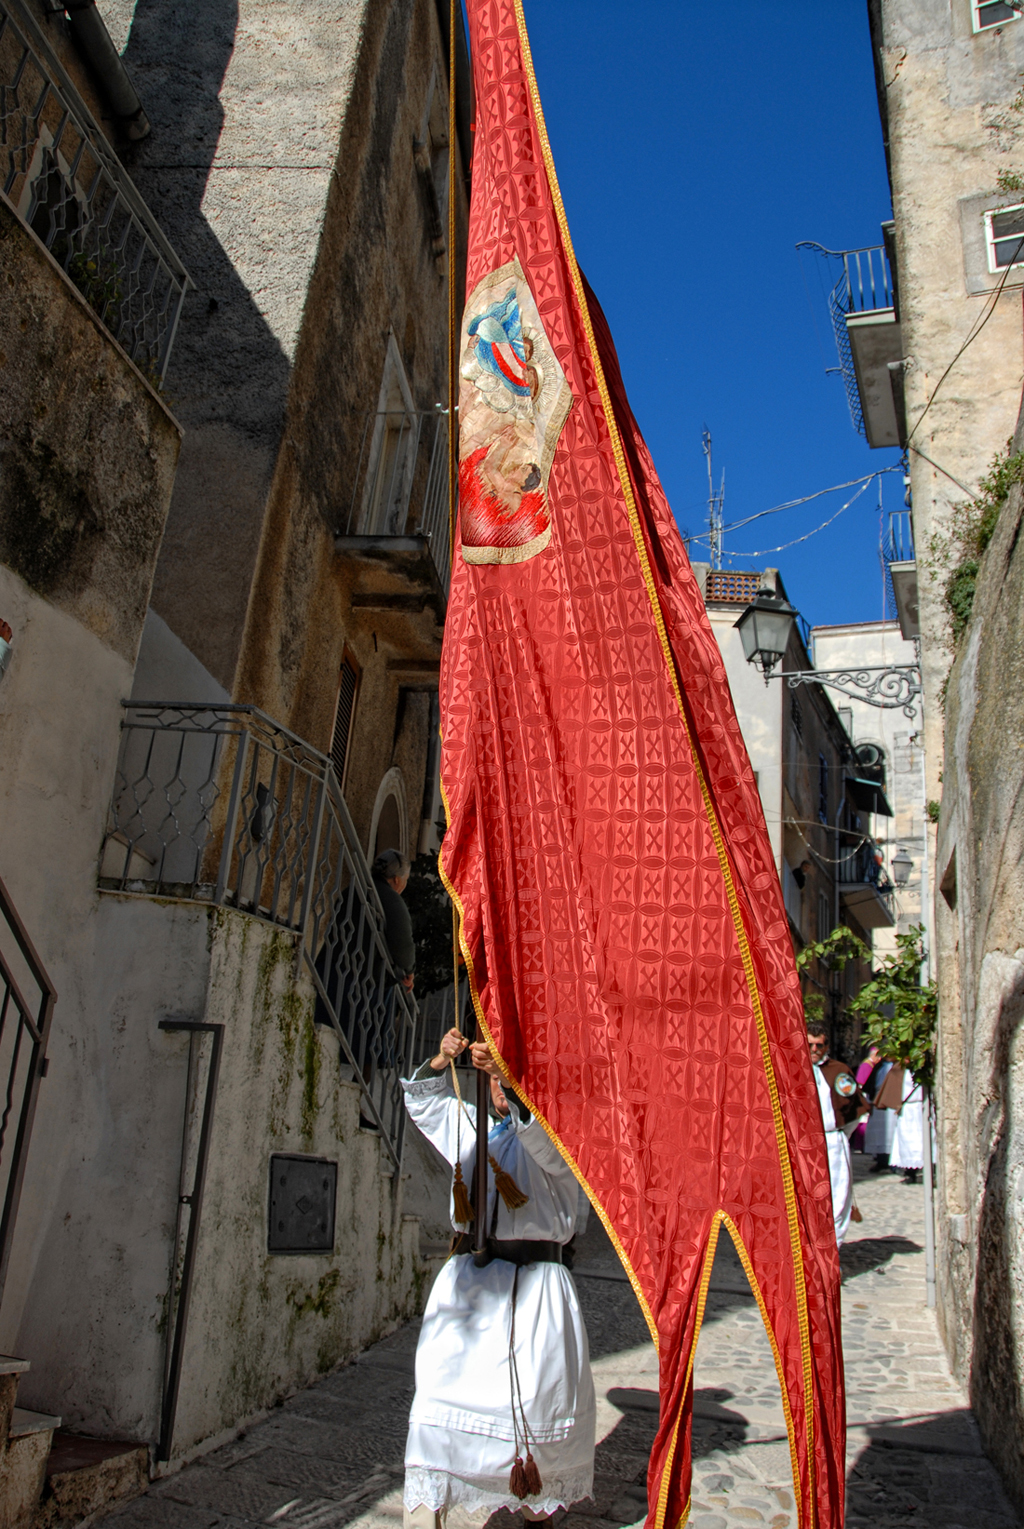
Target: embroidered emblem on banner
[[513, 402]]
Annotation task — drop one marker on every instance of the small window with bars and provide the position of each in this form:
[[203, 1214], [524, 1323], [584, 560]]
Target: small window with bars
[[992, 13], [344, 716], [1004, 237]]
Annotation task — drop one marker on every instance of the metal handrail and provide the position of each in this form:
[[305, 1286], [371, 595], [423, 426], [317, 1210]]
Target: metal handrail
[[64, 182], [221, 804], [21, 1019]]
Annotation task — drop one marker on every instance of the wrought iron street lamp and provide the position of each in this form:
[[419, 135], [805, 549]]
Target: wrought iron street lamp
[[764, 629], [902, 865]]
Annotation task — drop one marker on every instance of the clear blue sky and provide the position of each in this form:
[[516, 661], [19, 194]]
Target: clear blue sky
[[695, 145]]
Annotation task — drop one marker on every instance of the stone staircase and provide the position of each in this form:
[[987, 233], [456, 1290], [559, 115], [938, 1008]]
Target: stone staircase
[[50, 1479]]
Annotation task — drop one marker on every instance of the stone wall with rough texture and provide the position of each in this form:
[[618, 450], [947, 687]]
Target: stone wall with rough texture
[[980, 940], [87, 451], [946, 94]]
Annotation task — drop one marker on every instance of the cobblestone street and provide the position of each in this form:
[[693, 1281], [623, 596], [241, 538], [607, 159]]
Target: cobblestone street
[[332, 1455]]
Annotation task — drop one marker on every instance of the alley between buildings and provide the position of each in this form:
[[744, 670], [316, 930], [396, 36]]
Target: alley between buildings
[[332, 1454]]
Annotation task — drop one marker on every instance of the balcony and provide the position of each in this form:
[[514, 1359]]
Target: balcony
[[396, 522], [864, 888], [218, 804], [901, 570], [864, 312], [64, 182]]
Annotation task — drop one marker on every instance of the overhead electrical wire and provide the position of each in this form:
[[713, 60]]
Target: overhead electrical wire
[[792, 504], [765, 551]]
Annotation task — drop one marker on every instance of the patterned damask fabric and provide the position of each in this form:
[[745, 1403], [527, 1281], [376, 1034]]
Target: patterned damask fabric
[[635, 976]]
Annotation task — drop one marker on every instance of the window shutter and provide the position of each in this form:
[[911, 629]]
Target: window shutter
[[343, 717]]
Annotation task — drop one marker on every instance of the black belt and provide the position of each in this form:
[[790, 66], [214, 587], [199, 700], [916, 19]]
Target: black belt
[[518, 1251]]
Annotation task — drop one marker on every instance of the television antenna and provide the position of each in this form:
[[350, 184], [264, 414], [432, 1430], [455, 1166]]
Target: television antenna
[[716, 505]]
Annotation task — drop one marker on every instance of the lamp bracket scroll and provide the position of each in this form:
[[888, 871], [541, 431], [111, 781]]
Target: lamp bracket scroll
[[885, 685]]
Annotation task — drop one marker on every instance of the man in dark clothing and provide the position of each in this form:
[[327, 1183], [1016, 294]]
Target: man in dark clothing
[[390, 879]]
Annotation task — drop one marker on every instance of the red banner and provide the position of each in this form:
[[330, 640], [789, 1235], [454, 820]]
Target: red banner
[[622, 919]]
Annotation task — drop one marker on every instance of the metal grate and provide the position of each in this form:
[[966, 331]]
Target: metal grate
[[728, 587], [65, 182], [348, 688], [221, 804]]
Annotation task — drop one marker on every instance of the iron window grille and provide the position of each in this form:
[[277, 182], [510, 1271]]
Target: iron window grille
[[344, 716], [62, 180]]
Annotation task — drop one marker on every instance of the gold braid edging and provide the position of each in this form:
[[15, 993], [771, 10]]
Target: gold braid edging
[[723, 859], [748, 1269], [702, 1297]]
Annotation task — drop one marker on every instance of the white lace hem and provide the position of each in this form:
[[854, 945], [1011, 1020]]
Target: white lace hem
[[483, 1495]]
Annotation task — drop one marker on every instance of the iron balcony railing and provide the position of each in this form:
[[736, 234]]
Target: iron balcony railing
[[861, 865], [864, 287], [221, 804], [898, 546], [27, 997], [401, 482], [65, 182]]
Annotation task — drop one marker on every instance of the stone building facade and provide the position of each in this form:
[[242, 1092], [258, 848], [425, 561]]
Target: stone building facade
[[252, 537], [948, 78], [803, 759]]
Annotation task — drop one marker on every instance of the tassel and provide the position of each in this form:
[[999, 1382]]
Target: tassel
[[460, 1199], [518, 1484], [507, 1187], [533, 1481], [855, 1212]]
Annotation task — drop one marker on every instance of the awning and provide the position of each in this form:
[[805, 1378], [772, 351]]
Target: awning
[[868, 796]]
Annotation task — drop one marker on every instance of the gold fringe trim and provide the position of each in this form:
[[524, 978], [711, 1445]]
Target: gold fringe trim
[[789, 1192]]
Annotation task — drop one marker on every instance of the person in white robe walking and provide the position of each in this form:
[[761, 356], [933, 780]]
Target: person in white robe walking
[[842, 1105], [908, 1142], [466, 1429]]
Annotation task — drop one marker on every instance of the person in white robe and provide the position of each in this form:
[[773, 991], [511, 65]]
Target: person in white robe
[[840, 1166], [465, 1429], [908, 1140], [881, 1126]]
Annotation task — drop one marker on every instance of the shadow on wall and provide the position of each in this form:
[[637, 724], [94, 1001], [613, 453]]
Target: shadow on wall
[[228, 378], [996, 1375], [934, 1463]]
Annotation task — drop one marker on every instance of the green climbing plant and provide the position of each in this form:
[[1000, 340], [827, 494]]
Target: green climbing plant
[[898, 1012], [835, 951], [956, 552]]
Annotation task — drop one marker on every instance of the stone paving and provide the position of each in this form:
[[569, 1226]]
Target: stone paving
[[332, 1455]]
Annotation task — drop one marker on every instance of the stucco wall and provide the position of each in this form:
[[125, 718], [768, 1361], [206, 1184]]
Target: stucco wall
[[980, 1208], [98, 1246]]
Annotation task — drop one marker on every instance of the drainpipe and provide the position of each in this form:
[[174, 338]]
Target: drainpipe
[[92, 37]]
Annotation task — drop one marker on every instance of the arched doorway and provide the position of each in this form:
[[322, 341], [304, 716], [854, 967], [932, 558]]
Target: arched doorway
[[389, 825]]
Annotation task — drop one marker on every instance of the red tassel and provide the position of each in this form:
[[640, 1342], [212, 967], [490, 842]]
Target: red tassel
[[533, 1480], [518, 1484]]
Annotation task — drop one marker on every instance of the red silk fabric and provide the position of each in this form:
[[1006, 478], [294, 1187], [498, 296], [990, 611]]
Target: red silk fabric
[[621, 912]]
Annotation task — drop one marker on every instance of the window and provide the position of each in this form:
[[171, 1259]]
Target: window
[[824, 917], [796, 715], [1004, 237], [431, 155], [392, 457], [992, 13], [822, 789], [344, 713]]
